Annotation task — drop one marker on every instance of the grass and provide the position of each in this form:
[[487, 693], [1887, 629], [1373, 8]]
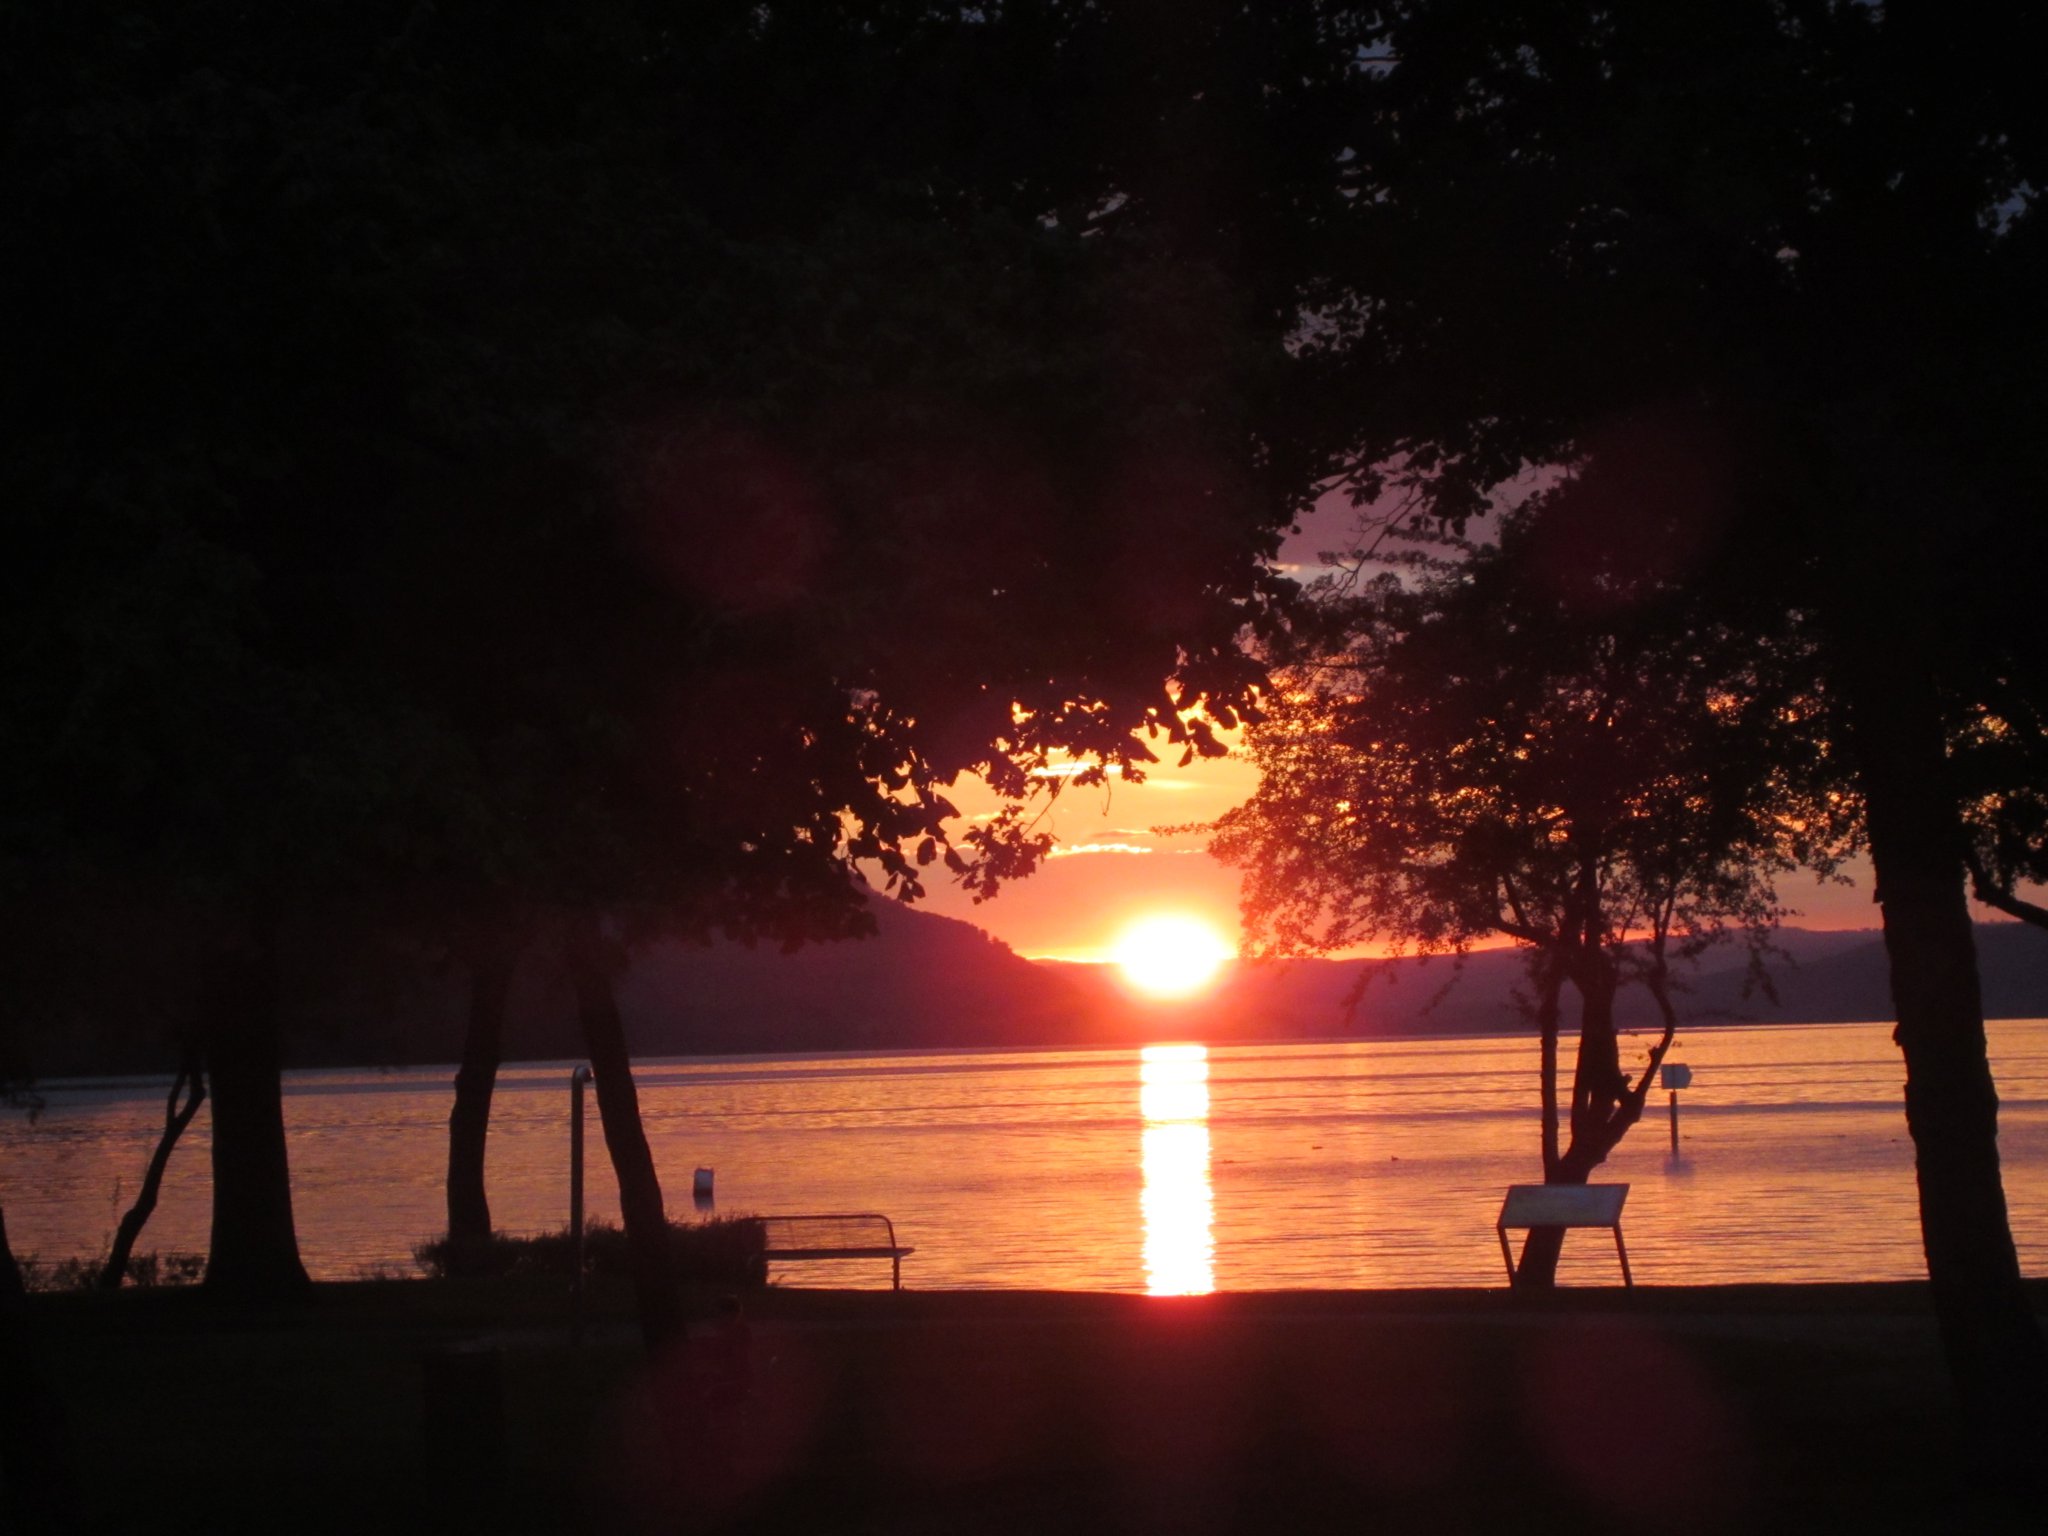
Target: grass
[[1683, 1410], [718, 1251], [82, 1273]]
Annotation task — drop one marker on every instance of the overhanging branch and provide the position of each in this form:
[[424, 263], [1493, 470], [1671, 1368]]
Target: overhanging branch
[[2000, 898]]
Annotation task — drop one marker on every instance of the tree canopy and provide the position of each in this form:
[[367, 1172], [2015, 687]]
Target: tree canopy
[[422, 411], [624, 463], [1541, 739], [1525, 728], [1785, 260]]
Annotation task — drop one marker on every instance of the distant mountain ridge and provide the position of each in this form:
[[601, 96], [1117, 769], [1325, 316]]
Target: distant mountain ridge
[[927, 982], [921, 982], [1819, 976]]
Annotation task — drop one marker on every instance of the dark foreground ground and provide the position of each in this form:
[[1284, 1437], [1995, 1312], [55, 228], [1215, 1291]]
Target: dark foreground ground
[[1808, 1408]]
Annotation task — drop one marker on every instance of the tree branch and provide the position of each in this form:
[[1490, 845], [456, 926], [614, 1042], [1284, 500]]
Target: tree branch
[[2000, 898], [191, 1084]]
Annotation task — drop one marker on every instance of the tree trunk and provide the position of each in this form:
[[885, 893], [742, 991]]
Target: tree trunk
[[1604, 1105], [1597, 1079], [11, 1283], [254, 1251], [190, 1084], [39, 1483], [1992, 1341], [1537, 1268], [1551, 981], [618, 1106], [469, 1122], [1541, 1248]]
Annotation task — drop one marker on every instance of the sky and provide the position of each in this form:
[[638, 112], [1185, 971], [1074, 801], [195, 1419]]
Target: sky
[[1111, 867]]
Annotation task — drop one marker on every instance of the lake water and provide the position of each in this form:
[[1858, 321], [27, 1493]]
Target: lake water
[[1176, 1168]]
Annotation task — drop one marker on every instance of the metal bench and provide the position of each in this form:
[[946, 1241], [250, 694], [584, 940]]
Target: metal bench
[[1563, 1205], [862, 1235]]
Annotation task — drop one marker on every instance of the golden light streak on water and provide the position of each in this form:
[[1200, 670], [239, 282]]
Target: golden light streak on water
[[1177, 1203], [1173, 1083]]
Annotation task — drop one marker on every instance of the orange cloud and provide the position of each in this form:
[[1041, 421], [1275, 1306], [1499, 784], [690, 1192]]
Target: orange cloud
[[1073, 770]]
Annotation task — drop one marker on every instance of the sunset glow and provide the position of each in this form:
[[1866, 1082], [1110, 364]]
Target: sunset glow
[[1178, 1204], [1170, 955]]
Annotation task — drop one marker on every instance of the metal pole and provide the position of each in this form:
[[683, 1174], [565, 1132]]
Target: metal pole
[[576, 1081], [1674, 1122]]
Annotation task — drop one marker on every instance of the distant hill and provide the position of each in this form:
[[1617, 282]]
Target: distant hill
[[927, 982], [1819, 977], [1477, 993], [923, 981], [1851, 982]]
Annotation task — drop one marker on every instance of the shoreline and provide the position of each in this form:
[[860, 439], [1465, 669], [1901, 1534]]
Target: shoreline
[[536, 1310], [157, 1080]]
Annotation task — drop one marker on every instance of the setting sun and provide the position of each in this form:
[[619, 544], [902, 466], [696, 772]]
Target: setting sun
[[1170, 956]]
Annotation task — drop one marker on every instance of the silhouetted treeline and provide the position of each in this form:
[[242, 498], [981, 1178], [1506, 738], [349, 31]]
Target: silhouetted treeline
[[555, 484]]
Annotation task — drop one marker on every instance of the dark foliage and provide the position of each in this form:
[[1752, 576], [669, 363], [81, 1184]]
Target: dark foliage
[[724, 1250], [481, 473], [1780, 267], [1541, 739]]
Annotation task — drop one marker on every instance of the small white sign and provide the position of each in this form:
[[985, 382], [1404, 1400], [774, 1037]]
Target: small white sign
[[1674, 1074]]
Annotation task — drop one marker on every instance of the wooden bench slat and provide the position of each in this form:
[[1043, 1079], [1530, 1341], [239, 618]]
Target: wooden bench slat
[[832, 1235], [1563, 1205]]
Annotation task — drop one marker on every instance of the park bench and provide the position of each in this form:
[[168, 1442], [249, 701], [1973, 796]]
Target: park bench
[[1563, 1205], [864, 1235]]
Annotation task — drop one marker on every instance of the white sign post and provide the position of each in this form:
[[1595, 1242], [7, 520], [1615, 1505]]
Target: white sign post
[[1674, 1075]]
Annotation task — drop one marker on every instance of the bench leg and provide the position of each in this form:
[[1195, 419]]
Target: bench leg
[[1506, 1257], [896, 1264], [1627, 1280]]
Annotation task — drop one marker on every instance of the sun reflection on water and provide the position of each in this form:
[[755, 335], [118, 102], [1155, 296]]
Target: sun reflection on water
[[1178, 1205]]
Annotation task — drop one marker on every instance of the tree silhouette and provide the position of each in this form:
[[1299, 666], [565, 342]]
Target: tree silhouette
[[613, 472], [1997, 747], [1780, 266], [1539, 740]]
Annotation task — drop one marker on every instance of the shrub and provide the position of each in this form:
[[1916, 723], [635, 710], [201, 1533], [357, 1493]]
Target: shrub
[[82, 1273], [724, 1250]]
